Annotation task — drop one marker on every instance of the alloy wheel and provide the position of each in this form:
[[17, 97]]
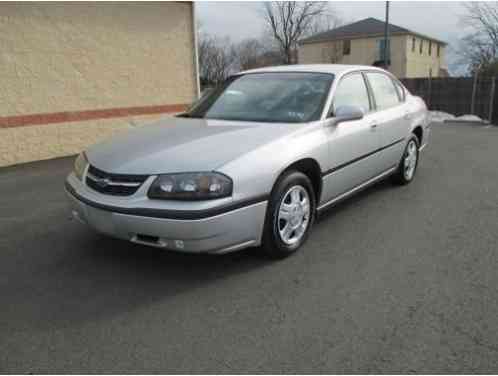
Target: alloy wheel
[[410, 160], [294, 215]]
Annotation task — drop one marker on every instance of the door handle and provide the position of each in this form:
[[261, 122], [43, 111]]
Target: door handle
[[373, 126]]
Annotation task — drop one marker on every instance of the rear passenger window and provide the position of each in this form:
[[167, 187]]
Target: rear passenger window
[[385, 94], [352, 91], [400, 89]]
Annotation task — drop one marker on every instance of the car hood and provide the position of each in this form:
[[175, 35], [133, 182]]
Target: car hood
[[182, 145]]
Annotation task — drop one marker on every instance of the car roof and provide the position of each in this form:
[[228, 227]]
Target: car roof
[[336, 69]]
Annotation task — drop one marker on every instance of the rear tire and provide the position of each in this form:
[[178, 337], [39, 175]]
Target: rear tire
[[289, 216], [408, 164]]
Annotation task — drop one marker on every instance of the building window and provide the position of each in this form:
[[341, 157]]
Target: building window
[[413, 44], [346, 47], [421, 49], [438, 50], [430, 48]]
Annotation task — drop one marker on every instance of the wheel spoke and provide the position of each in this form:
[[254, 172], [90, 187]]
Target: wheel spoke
[[285, 211], [295, 197], [410, 149], [299, 231], [287, 232], [305, 205]]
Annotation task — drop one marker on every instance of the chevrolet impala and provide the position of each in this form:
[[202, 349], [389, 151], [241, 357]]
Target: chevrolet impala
[[252, 162]]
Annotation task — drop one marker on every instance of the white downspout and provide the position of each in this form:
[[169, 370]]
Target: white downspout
[[196, 51]]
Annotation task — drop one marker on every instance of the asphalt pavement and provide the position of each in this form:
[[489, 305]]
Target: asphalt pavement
[[397, 279]]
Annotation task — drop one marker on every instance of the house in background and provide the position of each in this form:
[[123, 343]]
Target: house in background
[[411, 54]]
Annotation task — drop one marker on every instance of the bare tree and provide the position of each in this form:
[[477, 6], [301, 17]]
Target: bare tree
[[479, 48], [250, 53], [217, 59], [327, 21], [332, 52], [288, 21]]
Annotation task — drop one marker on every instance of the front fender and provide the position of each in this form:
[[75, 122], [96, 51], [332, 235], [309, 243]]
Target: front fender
[[255, 173]]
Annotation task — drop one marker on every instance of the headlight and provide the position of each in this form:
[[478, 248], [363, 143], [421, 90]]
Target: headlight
[[191, 186], [80, 165]]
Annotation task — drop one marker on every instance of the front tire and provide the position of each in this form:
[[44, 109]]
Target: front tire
[[408, 164], [289, 216]]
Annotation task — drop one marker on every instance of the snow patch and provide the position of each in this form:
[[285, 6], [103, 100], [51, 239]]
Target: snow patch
[[472, 118], [440, 116]]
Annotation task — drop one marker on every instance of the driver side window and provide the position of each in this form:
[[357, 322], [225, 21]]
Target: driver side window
[[351, 91]]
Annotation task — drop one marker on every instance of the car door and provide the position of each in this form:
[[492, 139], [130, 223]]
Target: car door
[[351, 144], [392, 115]]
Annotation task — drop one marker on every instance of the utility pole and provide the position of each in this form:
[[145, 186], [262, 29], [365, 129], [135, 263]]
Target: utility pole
[[386, 38], [474, 89], [491, 100]]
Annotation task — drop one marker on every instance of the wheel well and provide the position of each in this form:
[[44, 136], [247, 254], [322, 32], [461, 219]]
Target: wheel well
[[419, 133], [311, 169]]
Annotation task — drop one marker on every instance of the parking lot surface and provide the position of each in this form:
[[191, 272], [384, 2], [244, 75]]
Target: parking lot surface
[[397, 279]]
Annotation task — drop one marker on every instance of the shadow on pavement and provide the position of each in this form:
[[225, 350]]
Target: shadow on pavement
[[81, 276], [67, 275]]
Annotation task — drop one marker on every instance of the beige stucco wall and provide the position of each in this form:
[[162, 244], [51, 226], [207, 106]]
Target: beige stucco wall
[[364, 51], [324, 52], [419, 65], [59, 57], [37, 142]]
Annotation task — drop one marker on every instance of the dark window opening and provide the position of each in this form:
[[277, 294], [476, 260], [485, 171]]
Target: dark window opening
[[346, 47], [430, 48], [421, 46], [413, 44]]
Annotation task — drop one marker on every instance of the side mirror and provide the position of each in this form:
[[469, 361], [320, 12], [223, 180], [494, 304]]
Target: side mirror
[[347, 113]]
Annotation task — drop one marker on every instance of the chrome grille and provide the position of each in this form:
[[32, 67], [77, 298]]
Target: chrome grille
[[113, 184]]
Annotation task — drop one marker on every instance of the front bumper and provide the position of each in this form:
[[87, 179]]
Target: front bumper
[[224, 232]]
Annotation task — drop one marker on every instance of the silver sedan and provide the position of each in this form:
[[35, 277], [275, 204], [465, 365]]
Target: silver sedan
[[253, 161]]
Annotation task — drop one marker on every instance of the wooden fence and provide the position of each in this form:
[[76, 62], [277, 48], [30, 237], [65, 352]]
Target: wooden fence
[[458, 95]]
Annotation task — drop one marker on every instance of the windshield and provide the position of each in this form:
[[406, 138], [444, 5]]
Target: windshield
[[266, 97]]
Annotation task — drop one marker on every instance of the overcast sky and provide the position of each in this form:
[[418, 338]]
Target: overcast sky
[[240, 20]]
